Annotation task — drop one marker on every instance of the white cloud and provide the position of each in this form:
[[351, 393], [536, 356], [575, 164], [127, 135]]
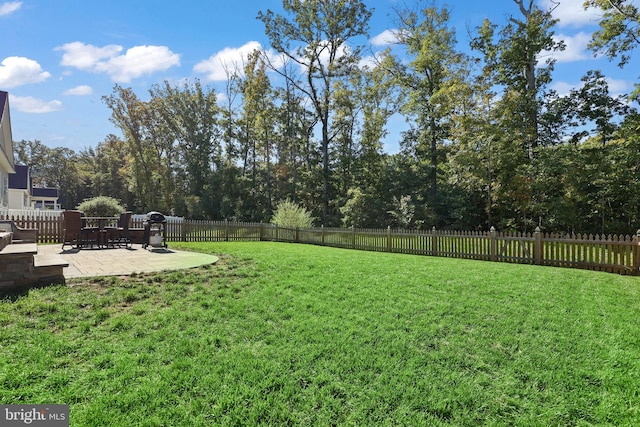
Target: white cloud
[[575, 48], [79, 90], [85, 56], [616, 87], [619, 86], [18, 71], [368, 61], [29, 104], [9, 7], [135, 62], [571, 13], [385, 38], [563, 88], [228, 59]]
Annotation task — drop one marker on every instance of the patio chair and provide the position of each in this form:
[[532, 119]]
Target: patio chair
[[72, 233], [20, 234], [119, 235]]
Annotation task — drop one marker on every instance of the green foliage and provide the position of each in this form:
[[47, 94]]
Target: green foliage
[[403, 211], [289, 214], [101, 206], [362, 209], [619, 32]]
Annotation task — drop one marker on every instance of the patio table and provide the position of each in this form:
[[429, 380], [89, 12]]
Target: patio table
[[93, 232]]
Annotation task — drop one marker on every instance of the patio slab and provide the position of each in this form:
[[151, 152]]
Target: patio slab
[[124, 261]]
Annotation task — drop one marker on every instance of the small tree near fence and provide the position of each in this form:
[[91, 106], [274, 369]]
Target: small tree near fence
[[101, 206], [289, 214]]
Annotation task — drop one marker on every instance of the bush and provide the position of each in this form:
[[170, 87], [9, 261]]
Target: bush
[[289, 214], [101, 206]]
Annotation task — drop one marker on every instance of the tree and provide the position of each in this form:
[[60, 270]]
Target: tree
[[101, 206], [257, 136], [60, 168], [132, 117], [317, 39], [431, 78], [619, 31], [514, 58], [111, 162], [511, 59], [597, 106], [191, 115], [289, 214]]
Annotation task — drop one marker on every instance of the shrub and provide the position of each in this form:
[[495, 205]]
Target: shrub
[[101, 206], [289, 214]]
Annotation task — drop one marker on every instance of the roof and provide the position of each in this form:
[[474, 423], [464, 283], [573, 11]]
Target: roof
[[44, 192], [3, 101], [20, 179], [6, 140]]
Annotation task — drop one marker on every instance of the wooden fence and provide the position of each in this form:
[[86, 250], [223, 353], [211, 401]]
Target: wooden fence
[[611, 253]]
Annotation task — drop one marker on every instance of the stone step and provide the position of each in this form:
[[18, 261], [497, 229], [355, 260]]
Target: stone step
[[21, 268], [43, 260]]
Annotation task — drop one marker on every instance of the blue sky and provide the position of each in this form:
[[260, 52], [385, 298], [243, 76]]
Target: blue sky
[[59, 57]]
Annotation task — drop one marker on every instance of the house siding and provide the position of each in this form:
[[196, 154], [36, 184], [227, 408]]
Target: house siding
[[6, 149]]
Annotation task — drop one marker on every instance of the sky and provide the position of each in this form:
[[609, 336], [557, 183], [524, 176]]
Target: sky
[[58, 58]]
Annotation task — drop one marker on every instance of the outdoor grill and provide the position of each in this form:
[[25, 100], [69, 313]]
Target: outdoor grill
[[155, 230]]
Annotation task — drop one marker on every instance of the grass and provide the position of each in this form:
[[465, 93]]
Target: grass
[[286, 334]]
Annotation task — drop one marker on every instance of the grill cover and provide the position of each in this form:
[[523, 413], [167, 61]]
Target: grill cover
[[155, 217]]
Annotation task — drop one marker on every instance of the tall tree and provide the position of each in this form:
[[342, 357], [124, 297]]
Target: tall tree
[[619, 32], [511, 58], [131, 115], [191, 114], [596, 105], [435, 70], [317, 38], [257, 138], [110, 172]]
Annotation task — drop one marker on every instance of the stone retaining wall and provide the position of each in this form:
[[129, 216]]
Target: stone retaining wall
[[20, 268]]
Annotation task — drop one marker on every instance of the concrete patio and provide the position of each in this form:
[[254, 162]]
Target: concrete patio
[[124, 261]]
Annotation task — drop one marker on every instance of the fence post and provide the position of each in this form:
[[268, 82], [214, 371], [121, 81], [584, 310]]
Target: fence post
[[493, 244], [277, 233], [388, 238], [353, 236], [183, 230], [226, 230], [261, 232], [297, 234], [636, 253], [322, 233], [537, 246], [434, 241]]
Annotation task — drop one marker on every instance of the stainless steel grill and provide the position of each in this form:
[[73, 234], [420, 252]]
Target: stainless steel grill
[[155, 230]]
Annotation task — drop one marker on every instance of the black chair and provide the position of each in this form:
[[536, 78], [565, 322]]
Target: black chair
[[119, 235]]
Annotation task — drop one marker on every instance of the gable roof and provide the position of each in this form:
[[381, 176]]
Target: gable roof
[[20, 179], [6, 141], [3, 100]]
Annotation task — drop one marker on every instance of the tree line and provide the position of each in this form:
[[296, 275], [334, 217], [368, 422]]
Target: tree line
[[488, 143]]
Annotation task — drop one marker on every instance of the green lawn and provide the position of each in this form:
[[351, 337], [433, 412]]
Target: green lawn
[[286, 334]]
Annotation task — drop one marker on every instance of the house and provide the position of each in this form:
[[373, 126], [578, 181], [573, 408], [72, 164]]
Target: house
[[21, 266], [6, 150], [44, 198], [23, 195], [16, 190]]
